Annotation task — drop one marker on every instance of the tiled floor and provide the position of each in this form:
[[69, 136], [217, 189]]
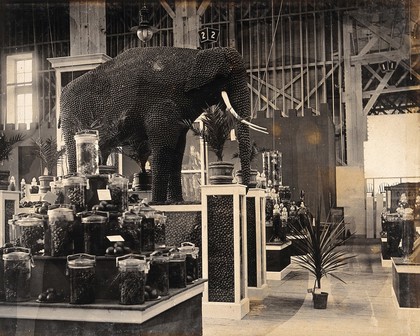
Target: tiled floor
[[365, 305]]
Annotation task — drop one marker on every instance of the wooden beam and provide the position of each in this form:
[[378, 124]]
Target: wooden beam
[[392, 89], [379, 89], [168, 8], [203, 6]]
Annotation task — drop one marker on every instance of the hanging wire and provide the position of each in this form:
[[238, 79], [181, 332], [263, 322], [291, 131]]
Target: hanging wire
[[273, 32], [410, 40], [271, 49]]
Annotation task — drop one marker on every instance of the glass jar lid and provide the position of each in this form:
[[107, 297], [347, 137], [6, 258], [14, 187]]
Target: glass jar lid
[[94, 218], [87, 134], [118, 179], [74, 180], [175, 254], [30, 221], [133, 262], [158, 256], [16, 253], [130, 216], [189, 248], [81, 260], [61, 211]]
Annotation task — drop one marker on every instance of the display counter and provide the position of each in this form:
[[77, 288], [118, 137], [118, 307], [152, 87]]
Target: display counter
[[178, 313], [278, 260], [406, 282]]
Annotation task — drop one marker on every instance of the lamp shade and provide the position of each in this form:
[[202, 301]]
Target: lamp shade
[[144, 34]]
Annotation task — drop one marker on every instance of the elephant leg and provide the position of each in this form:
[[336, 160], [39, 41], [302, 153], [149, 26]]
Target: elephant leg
[[175, 181], [71, 152], [163, 131], [161, 165]]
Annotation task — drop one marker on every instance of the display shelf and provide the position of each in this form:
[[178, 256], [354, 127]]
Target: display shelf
[[224, 251], [256, 238], [179, 313]]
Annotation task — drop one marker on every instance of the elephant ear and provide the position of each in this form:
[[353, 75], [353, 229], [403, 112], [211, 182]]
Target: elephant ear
[[209, 65]]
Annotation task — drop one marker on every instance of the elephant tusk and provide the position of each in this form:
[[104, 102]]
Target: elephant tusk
[[230, 109], [256, 129]]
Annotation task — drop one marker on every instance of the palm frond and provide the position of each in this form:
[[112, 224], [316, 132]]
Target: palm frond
[[46, 150], [216, 131], [319, 247], [7, 144]]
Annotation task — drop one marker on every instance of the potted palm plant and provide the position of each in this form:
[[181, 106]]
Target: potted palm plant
[[7, 144], [321, 254], [217, 126], [46, 150]]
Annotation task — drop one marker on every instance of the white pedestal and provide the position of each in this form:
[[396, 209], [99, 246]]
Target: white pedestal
[[9, 205], [224, 247], [279, 259], [256, 238]]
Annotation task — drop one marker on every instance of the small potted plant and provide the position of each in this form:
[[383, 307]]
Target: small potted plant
[[7, 144], [321, 254], [46, 150], [255, 150], [139, 152], [217, 126]]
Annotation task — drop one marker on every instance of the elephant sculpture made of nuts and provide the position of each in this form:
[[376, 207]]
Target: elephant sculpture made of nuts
[[147, 93]]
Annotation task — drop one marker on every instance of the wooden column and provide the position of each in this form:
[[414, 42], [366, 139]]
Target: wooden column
[[186, 23], [355, 118], [87, 27]]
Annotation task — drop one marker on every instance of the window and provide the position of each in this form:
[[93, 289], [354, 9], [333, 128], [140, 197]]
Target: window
[[20, 109]]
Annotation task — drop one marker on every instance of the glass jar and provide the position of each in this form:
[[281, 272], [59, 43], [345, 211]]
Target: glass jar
[[94, 229], [58, 190], [17, 274], [60, 222], [74, 191], [158, 276], [191, 260], [87, 152], [131, 230], [81, 269], [12, 229], [30, 233], [118, 188], [148, 234], [136, 182], [177, 270], [160, 222], [132, 270]]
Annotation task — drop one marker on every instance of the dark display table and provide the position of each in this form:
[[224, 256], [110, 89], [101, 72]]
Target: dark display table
[[406, 282], [179, 313]]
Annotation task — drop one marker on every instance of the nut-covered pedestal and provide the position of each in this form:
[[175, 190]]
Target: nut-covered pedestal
[[224, 251], [257, 275]]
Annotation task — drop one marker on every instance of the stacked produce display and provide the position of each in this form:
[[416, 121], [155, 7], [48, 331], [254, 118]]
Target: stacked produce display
[[83, 226]]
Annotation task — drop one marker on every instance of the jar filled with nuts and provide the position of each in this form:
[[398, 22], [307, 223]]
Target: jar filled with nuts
[[60, 226], [30, 233], [118, 188], [87, 152], [75, 191]]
